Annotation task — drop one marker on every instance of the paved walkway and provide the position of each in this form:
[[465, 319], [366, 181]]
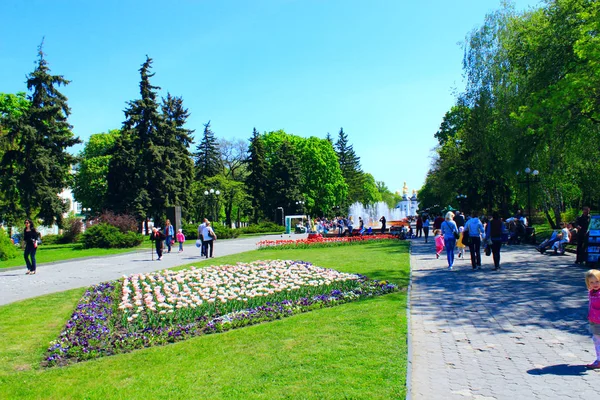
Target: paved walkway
[[57, 277], [519, 333]]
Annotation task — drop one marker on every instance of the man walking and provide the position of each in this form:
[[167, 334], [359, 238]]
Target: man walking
[[475, 230], [583, 223]]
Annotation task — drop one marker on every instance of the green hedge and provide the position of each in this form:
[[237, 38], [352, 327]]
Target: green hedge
[[7, 248], [263, 227], [109, 237], [191, 231]]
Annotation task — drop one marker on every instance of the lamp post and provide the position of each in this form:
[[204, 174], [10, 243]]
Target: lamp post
[[214, 199], [300, 205], [461, 198], [530, 177], [282, 216]]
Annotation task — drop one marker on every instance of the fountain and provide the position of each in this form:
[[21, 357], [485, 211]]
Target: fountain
[[372, 213]]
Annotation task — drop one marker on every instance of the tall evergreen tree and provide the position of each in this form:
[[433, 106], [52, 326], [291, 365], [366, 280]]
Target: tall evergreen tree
[[350, 167], [35, 164], [208, 159], [176, 159], [257, 178]]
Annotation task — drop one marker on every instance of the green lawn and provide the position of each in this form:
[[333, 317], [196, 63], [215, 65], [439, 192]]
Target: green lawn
[[59, 252], [356, 350]]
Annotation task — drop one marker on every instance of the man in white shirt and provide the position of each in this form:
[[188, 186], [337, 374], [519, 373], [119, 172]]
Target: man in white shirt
[[201, 228], [564, 237]]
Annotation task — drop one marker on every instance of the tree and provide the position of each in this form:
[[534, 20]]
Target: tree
[[90, 180], [208, 163], [36, 160], [150, 168], [233, 155], [285, 178], [257, 178], [350, 167]]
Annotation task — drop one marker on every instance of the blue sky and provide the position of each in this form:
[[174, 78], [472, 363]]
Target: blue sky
[[385, 71]]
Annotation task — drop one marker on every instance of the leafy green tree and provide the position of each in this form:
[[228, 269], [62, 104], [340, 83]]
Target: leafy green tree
[[257, 178], [285, 178], [89, 183], [350, 167], [233, 156], [208, 162], [35, 159]]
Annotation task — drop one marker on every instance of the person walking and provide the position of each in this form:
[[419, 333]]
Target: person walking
[[383, 221], [582, 224], [426, 227], [209, 237], [158, 237], [419, 226], [180, 239], [493, 233], [438, 239], [201, 236], [450, 233], [474, 228], [169, 235], [30, 237]]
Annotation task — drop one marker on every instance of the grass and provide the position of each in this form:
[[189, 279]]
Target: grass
[[356, 350], [47, 253]]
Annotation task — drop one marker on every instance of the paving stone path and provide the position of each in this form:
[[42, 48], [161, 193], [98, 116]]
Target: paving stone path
[[519, 333], [57, 277]]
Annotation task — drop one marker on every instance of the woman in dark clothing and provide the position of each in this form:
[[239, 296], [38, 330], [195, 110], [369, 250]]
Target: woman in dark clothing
[[382, 220], [419, 226], [158, 237], [493, 231], [30, 237]]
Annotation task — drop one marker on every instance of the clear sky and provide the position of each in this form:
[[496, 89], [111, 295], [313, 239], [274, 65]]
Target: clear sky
[[385, 71]]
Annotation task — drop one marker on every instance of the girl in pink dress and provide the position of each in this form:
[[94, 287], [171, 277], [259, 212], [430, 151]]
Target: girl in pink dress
[[180, 239], [592, 281], [439, 242]]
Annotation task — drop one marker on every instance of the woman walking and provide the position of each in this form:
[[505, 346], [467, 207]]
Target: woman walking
[[419, 226], [426, 227], [209, 238], [493, 232], [30, 237], [450, 232], [157, 236], [169, 235]]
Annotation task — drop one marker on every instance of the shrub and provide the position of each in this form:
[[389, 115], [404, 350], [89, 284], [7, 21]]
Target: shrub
[[52, 239], [8, 249], [570, 215], [224, 232], [107, 236], [123, 222], [263, 227], [72, 228], [190, 230]]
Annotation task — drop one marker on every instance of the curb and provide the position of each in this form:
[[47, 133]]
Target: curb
[[409, 332]]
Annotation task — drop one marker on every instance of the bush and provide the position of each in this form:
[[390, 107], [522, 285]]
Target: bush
[[8, 249], [73, 226], [52, 239], [224, 232], [123, 222], [263, 227], [190, 231], [570, 215], [106, 236]]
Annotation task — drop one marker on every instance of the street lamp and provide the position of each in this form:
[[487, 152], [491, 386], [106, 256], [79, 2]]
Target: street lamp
[[300, 205], [530, 177], [282, 215], [461, 198], [214, 199]]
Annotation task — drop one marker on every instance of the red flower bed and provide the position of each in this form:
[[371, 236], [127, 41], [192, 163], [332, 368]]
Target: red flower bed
[[322, 242]]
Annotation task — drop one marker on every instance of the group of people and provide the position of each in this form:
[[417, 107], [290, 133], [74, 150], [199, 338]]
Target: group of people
[[206, 238], [471, 232], [166, 238]]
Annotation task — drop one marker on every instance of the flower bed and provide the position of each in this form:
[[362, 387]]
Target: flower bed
[[323, 241], [144, 310]]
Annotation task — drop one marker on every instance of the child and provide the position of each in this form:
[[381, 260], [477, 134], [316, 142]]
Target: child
[[180, 238], [592, 281], [439, 242], [459, 242]]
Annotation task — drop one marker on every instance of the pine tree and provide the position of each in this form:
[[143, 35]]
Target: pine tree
[[36, 160], [208, 160], [257, 178], [329, 138], [176, 159], [350, 167]]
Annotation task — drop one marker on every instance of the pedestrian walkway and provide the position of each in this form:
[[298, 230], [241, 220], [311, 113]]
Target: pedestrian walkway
[[518, 333], [57, 277]]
